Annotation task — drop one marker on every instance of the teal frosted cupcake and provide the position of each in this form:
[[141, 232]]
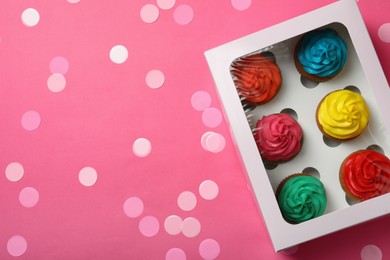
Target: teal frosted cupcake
[[301, 197], [320, 55]]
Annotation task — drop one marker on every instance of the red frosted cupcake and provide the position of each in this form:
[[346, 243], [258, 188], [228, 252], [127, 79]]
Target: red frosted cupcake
[[257, 77], [278, 137], [365, 174]]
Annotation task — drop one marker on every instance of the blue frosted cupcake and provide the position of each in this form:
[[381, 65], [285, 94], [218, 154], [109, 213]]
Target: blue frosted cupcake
[[320, 55]]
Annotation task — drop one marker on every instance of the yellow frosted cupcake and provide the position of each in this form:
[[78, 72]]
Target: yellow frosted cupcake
[[342, 115]]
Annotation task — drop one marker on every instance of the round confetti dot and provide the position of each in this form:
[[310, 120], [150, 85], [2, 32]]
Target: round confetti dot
[[119, 54], [155, 79], [209, 249], [172, 224], [17, 245], [59, 65], [208, 190], [241, 5], [190, 227], [214, 142], [371, 252], [14, 171], [183, 14], [186, 200], [56, 82], [384, 32], [88, 176], [142, 147], [211, 117], [200, 100], [133, 207], [73, 1], [166, 4], [290, 250], [28, 197], [30, 17], [149, 13], [149, 226], [204, 138], [175, 254], [31, 120]]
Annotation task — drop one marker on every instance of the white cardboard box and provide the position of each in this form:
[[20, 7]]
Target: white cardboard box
[[362, 70]]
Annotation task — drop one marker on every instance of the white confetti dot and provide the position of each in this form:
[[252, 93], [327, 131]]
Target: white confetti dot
[[211, 117], [186, 200], [28, 197], [88, 176], [208, 190], [175, 254], [173, 224], [119, 54], [30, 17], [133, 207], [213, 142], [384, 32], [73, 1], [149, 226], [166, 4], [142, 147], [149, 13], [56, 82], [200, 100], [17, 245], [31, 120], [155, 79], [191, 227], [183, 14], [14, 171], [371, 252], [209, 249], [241, 5]]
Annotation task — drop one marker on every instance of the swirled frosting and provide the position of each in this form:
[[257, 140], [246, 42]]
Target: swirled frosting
[[257, 78], [302, 197], [343, 114], [278, 137], [366, 174], [322, 53]]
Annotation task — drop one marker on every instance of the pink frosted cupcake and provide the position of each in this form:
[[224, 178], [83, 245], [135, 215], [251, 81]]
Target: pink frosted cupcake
[[278, 137]]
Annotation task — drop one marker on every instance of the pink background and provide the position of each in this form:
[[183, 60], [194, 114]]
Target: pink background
[[145, 137]]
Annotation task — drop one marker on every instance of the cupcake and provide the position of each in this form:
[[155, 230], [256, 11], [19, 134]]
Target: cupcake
[[278, 137], [365, 174], [301, 197], [342, 115], [320, 55], [257, 77]]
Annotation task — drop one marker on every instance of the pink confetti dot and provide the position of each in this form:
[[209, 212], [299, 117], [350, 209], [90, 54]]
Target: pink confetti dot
[[59, 65], [214, 142], [155, 79], [17, 245], [191, 227], [88, 176], [30, 17], [166, 4], [31, 120], [28, 197], [200, 100], [175, 254], [149, 226], [142, 147], [183, 14], [371, 252], [172, 224], [186, 201], [208, 190], [133, 207], [384, 32], [14, 171], [56, 82], [241, 5], [149, 13], [73, 1], [211, 117], [209, 249]]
